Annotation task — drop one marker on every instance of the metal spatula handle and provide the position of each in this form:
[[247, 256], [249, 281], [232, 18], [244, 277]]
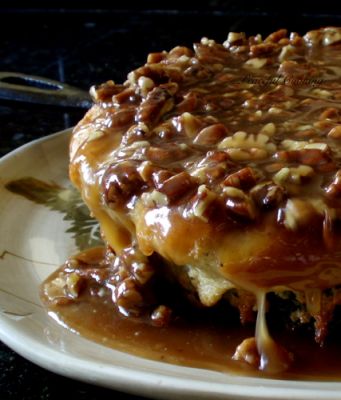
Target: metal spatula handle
[[35, 89]]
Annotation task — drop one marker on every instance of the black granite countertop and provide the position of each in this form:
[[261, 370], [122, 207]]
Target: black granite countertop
[[86, 46]]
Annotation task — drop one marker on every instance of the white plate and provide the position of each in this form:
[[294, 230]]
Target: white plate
[[33, 242]]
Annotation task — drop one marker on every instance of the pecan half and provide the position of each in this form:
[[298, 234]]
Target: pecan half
[[178, 186], [157, 103], [121, 181], [210, 135], [267, 195], [245, 178]]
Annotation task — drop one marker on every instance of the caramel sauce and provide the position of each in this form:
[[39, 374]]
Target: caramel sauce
[[199, 338]]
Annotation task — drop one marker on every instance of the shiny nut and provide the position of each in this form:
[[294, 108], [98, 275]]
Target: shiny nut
[[210, 135]]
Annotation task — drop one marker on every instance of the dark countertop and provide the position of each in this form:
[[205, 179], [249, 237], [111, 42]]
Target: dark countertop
[[82, 47]]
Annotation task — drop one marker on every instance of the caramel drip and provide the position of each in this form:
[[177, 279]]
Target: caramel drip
[[274, 359]]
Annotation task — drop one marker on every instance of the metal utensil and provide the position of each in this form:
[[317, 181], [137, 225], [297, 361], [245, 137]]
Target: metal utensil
[[35, 89]]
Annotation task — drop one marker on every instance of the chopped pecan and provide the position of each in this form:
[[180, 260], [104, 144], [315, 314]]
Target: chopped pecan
[[122, 118], [292, 69], [216, 156], [154, 58], [197, 71], [210, 53], [324, 126], [326, 36], [201, 203], [276, 36], [252, 154], [296, 175], [322, 93], [145, 85], [245, 178], [178, 186], [167, 154], [157, 103], [165, 131], [180, 51], [239, 49], [249, 143], [154, 199], [121, 181], [158, 73], [161, 316], [278, 94], [256, 62], [300, 212], [189, 124], [135, 133], [235, 39], [305, 134], [139, 266], [128, 298], [64, 288], [295, 39], [240, 204], [146, 170], [334, 189], [189, 102], [335, 133], [262, 49], [123, 97], [74, 284], [269, 129], [330, 113], [247, 351], [105, 91], [287, 51], [210, 135], [267, 195], [160, 176], [304, 156]]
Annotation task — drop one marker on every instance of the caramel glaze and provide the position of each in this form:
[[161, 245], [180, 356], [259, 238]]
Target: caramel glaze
[[232, 178]]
